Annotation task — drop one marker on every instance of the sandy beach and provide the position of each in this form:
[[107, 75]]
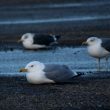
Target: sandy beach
[[16, 93]]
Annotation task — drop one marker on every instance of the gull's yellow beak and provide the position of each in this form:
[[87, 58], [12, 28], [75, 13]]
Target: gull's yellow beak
[[23, 70]]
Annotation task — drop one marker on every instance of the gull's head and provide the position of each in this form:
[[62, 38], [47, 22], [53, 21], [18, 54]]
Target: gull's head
[[27, 37], [32, 67], [27, 40], [93, 41]]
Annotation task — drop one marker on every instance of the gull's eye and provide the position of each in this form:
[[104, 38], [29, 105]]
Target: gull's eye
[[32, 65], [26, 37], [92, 40]]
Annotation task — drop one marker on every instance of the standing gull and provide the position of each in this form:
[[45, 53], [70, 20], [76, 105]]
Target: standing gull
[[39, 73], [35, 41], [99, 49]]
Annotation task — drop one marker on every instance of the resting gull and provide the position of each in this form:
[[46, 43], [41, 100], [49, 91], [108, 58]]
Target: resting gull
[[39, 73], [99, 49], [36, 41]]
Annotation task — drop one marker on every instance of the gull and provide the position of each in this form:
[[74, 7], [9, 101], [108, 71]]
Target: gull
[[98, 49], [39, 73], [35, 41]]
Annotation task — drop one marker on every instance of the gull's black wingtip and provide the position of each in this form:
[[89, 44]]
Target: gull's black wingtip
[[80, 73], [58, 37]]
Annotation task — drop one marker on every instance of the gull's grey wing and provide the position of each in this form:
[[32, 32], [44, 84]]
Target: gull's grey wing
[[58, 73], [106, 44]]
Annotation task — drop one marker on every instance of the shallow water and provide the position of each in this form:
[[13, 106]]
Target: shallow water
[[76, 58]]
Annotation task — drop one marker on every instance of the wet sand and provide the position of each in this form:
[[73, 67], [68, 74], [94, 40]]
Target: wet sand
[[17, 94]]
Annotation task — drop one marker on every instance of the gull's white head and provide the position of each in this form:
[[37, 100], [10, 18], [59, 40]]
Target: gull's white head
[[33, 67], [27, 40], [28, 37], [93, 41]]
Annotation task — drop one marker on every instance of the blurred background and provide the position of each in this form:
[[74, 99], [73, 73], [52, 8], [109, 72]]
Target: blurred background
[[73, 20]]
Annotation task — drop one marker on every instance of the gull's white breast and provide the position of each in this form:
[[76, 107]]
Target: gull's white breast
[[27, 44], [38, 78], [97, 51]]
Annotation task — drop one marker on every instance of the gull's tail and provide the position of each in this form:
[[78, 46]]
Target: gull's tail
[[78, 74]]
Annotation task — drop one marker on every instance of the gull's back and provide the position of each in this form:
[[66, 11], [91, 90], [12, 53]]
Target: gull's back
[[43, 39], [58, 73], [106, 44]]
